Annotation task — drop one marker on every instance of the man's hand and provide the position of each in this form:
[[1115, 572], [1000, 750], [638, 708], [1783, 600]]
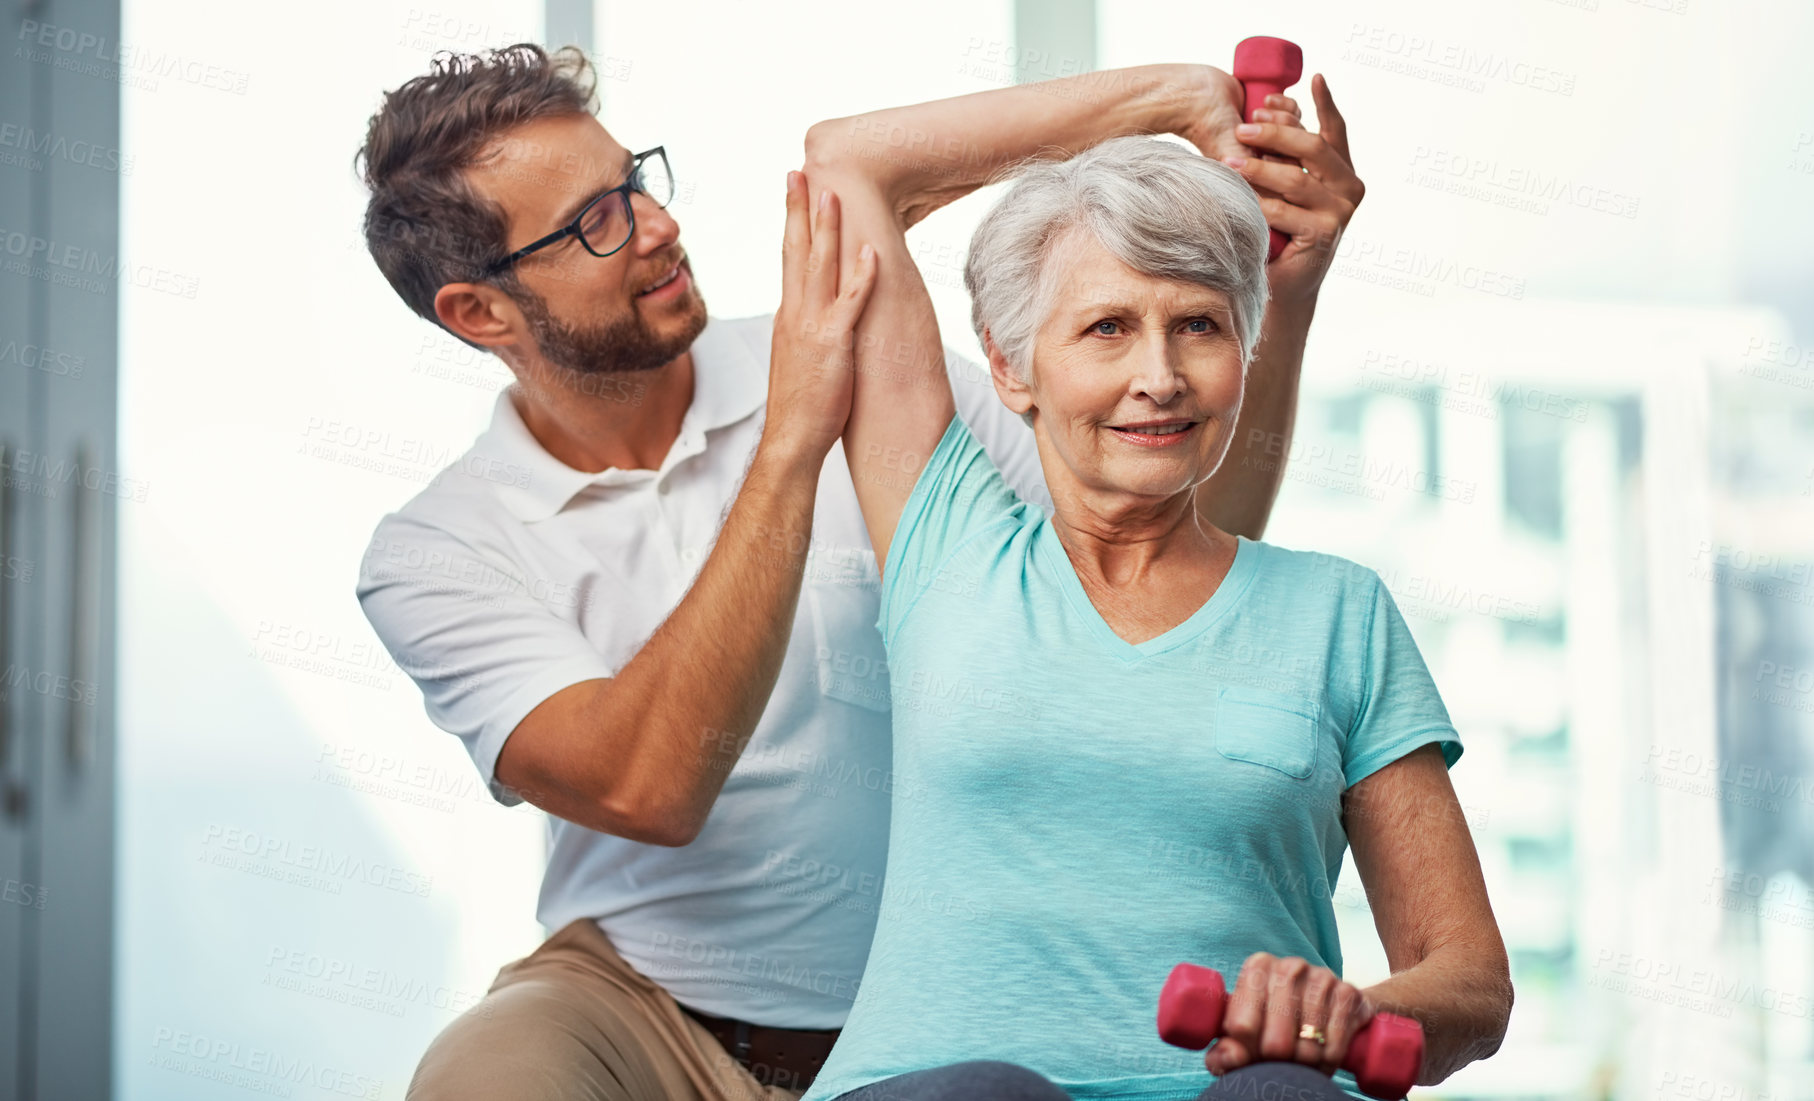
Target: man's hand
[[1273, 999], [812, 356], [1307, 189], [1312, 208]]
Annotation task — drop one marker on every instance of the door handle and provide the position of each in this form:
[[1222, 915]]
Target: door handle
[[12, 791], [84, 603]]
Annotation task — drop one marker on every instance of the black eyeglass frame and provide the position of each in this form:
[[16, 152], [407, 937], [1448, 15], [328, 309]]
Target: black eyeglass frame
[[632, 183]]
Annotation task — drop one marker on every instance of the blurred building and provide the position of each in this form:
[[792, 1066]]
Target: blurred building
[[1610, 570]]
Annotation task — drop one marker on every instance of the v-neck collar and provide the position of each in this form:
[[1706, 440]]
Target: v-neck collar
[[1240, 573]]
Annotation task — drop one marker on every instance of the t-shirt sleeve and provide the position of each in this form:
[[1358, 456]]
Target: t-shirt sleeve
[[483, 651], [958, 494], [1400, 708]]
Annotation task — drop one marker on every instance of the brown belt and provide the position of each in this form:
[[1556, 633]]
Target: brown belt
[[785, 1057]]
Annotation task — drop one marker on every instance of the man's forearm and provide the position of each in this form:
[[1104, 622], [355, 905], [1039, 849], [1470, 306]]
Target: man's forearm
[[701, 682], [1464, 1007], [927, 154], [1238, 497]]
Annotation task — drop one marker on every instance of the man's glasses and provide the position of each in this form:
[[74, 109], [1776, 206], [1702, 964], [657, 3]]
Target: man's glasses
[[607, 223]]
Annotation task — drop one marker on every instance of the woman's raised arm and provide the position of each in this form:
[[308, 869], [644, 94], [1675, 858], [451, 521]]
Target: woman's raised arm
[[901, 400], [891, 168]]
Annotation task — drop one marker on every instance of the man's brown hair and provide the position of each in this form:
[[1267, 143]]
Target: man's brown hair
[[425, 225]]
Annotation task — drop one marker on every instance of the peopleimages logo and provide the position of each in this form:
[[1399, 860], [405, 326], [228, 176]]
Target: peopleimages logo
[[1451, 63], [1470, 383], [34, 144], [728, 960], [89, 54], [262, 1070], [68, 265], [359, 985], [230, 846], [1419, 272], [1674, 983], [1481, 177]]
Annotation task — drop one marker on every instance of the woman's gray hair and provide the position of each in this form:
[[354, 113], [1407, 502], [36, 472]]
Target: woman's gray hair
[[1160, 207]]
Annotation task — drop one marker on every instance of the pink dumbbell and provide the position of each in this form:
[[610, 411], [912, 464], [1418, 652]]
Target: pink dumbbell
[[1266, 67], [1383, 1056]]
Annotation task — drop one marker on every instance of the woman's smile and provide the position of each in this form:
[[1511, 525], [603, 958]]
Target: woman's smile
[[1158, 433]]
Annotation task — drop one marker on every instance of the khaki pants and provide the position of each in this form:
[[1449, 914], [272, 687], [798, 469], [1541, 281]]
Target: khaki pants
[[572, 1021]]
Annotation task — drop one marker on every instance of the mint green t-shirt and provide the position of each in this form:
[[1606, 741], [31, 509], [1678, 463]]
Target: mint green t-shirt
[[1074, 814]]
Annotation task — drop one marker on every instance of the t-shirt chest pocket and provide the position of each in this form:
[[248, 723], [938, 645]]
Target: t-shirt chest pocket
[[1271, 729], [842, 592]]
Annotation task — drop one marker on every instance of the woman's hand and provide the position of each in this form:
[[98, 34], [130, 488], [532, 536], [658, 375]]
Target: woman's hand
[[1307, 187], [1214, 111], [812, 353], [1273, 999]]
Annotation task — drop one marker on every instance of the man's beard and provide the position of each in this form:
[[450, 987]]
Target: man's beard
[[621, 346]]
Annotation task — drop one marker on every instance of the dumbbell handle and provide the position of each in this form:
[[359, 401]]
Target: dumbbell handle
[[1266, 67], [1384, 1056]]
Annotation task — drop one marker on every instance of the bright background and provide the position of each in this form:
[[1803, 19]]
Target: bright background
[[1560, 393]]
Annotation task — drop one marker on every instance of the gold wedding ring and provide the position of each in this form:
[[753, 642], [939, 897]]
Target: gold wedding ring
[[1310, 1032]]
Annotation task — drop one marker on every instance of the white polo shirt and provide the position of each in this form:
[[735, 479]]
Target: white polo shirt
[[513, 576]]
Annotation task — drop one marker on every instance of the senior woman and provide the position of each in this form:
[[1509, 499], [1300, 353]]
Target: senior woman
[[1122, 737]]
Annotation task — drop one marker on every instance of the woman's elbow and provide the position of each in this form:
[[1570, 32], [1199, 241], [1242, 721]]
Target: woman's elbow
[[1499, 977], [1506, 996], [828, 143], [1496, 1014], [837, 156]]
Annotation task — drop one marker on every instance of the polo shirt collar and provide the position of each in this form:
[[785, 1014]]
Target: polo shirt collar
[[729, 384]]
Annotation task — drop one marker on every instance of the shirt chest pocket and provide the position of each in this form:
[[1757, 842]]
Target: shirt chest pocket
[[1270, 729], [842, 593]]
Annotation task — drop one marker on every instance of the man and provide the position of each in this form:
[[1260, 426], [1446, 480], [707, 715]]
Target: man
[[645, 599]]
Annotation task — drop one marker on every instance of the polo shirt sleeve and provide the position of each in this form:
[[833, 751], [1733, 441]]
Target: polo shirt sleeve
[[1400, 708], [1007, 438], [483, 651], [958, 494]]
